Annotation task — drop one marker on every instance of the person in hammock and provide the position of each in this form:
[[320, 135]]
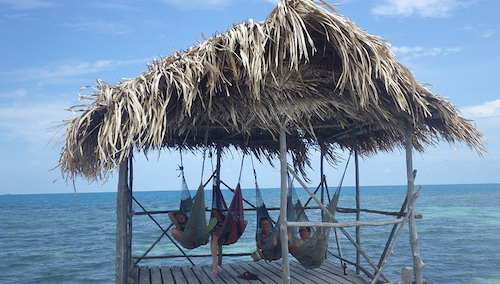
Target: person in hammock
[[305, 241], [179, 219], [263, 237], [309, 251], [216, 213]]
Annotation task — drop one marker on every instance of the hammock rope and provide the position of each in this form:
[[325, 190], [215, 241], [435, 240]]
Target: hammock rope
[[186, 201]]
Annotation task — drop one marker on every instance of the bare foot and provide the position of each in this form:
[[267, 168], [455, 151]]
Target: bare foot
[[214, 270]]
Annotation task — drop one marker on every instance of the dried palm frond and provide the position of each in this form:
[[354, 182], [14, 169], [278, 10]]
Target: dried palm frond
[[304, 69]]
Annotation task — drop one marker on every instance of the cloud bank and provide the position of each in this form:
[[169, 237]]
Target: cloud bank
[[27, 4], [199, 4], [56, 73], [421, 8], [407, 52], [33, 123], [487, 109]]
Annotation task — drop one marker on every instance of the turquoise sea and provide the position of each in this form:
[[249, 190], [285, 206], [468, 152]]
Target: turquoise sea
[[60, 238]]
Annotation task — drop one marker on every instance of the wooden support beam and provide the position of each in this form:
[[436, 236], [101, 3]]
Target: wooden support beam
[[344, 225], [384, 263], [218, 180], [406, 273], [127, 251], [121, 266], [283, 207], [418, 265], [358, 207]]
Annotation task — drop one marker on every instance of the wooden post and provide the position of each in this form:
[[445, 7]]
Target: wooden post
[[283, 205], [323, 181], [217, 175], [322, 175], [128, 202], [121, 264], [418, 265], [406, 273], [358, 207]]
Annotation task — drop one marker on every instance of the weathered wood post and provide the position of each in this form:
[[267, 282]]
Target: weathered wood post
[[217, 175], [283, 205], [358, 207], [406, 273], [123, 213], [418, 265]]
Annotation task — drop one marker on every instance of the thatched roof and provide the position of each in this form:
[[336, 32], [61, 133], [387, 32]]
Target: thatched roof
[[310, 71]]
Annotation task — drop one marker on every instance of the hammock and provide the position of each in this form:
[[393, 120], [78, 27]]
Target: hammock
[[272, 248], [270, 251], [261, 209], [311, 253], [234, 224], [196, 233]]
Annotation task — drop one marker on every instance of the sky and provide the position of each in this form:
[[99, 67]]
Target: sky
[[49, 49]]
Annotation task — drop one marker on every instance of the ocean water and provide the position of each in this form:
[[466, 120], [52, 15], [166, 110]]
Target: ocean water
[[57, 238]]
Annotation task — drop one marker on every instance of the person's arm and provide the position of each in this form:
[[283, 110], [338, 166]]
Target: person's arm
[[259, 244], [319, 233], [292, 247], [173, 219]]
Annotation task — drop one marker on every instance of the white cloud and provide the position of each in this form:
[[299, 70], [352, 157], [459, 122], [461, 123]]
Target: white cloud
[[57, 73], [27, 4], [422, 8], [32, 123], [69, 69], [407, 52], [488, 109], [19, 93], [483, 31], [100, 27], [209, 4], [199, 4], [113, 6]]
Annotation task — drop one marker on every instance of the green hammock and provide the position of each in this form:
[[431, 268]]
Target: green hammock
[[196, 233]]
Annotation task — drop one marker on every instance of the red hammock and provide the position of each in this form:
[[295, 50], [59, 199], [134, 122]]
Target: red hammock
[[234, 224]]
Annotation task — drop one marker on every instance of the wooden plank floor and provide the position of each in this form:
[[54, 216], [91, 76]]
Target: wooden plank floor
[[270, 273]]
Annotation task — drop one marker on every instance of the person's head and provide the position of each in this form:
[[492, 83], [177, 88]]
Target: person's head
[[181, 217], [217, 213], [305, 232], [264, 223]]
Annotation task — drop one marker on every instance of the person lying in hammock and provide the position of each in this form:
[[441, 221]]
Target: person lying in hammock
[[304, 241], [263, 237], [310, 252], [179, 219], [216, 213]]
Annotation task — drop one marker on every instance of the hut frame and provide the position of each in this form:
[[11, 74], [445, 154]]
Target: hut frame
[[125, 261]]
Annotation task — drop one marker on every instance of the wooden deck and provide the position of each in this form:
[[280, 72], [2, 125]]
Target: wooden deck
[[228, 273]]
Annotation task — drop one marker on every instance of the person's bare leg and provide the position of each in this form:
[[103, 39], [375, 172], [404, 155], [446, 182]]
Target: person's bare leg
[[213, 250], [176, 233]]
